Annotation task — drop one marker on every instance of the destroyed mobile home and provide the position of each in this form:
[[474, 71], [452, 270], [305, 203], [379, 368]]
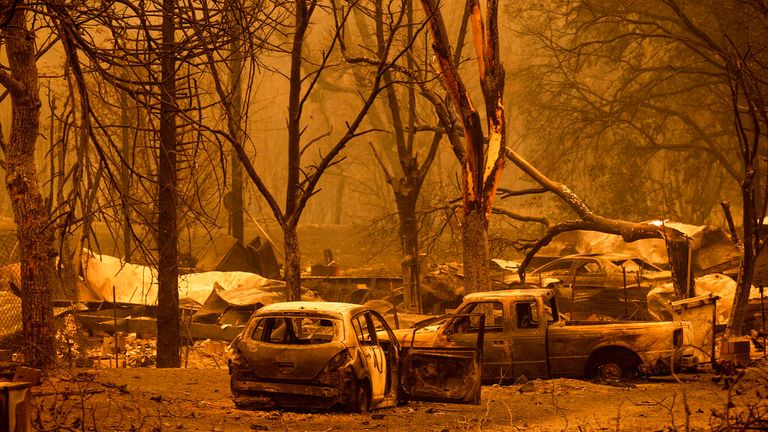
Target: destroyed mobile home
[[524, 335], [305, 355]]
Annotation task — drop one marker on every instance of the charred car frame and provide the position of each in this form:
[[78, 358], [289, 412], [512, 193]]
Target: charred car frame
[[318, 355]]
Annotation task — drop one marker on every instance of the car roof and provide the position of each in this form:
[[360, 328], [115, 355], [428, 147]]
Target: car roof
[[313, 306], [605, 257], [608, 256], [520, 292]]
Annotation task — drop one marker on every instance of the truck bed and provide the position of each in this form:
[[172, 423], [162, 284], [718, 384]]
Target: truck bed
[[571, 342]]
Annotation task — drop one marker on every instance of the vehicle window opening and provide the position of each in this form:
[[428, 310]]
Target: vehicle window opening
[[295, 330], [560, 267], [551, 312], [589, 267], [527, 314], [362, 331], [258, 331], [494, 318]]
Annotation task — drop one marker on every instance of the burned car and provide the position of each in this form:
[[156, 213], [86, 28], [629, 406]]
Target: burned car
[[610, 285], [526, 336], [320, 355]]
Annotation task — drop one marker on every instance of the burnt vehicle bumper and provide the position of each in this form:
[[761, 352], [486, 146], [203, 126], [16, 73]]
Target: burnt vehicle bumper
[[334, 390]]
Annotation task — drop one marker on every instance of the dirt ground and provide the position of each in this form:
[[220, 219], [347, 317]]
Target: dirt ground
[[199, 399]]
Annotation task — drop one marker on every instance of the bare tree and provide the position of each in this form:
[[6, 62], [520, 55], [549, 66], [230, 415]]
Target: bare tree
[[399, 158], [302, 177], [20, 79], [482, 160], [142, 65], [235, 111], [168, 326]]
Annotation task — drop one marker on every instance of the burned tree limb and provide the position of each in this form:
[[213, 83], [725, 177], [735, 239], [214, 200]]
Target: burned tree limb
[[677, 242], [522, 218], [508, 193]]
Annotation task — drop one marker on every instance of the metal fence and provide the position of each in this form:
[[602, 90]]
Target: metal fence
[[10, 280], [599, 303]]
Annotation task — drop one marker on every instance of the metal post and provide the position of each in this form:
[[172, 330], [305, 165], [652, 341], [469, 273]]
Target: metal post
[[713, 360], [626, 298], [189, 335], [762, 315], [394, 305], [688, 276], [114, 324]]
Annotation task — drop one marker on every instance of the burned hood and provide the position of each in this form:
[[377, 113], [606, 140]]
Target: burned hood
[[288, 362]]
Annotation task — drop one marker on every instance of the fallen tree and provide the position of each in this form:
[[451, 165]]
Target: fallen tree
[[677, 242]]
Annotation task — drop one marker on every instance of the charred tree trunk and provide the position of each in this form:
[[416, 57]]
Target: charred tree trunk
[[749, 254], [32, 219], [236, 225], [293, 190], [168, 325], [125, 178], [476, 259], [292, 269], [409, 241]]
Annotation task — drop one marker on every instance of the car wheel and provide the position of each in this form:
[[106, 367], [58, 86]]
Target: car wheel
[[239, 405], [610, 370], [402, 400], [232, 384], [235, 394], [360, 403], [614, 368]]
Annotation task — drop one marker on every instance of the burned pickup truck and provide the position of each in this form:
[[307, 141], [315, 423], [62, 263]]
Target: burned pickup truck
[[317, 355], [525, 335]]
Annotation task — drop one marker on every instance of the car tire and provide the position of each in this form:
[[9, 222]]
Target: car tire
[[614, 368], [402, 400], [235, 394], [239, 405], [361, 401]]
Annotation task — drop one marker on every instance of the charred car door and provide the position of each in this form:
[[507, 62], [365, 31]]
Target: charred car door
[[372, 355], [497, 347], [448, 373], [528, 339]]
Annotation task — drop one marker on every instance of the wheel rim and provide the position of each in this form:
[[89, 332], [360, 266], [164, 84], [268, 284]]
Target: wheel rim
[[610, 371]]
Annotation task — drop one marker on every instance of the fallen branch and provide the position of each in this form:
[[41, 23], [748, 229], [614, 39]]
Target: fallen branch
[[590, 221]]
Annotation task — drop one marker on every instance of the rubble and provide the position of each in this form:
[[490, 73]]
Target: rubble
[[711, 247], [225, 253], [137, 284], [724, 287]]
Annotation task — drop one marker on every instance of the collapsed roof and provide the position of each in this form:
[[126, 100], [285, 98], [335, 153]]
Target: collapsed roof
[[710, 245]]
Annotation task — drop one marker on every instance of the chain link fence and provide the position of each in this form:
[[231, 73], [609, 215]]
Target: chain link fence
[[601, 303], [10, 283]]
